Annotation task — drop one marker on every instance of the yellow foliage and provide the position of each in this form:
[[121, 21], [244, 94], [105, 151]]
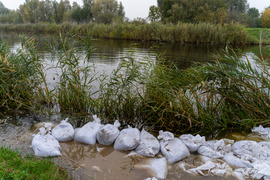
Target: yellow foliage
[[265, 19]]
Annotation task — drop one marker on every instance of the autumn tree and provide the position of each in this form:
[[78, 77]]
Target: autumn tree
[[237, 11], [29, 11], [6, 15], [104, 11], [253, 17], [154, 14], [193, 10], [63, 7], [265, 18], [45, 13], [75, 14], [3, 9], [121, 11], [86, 12]]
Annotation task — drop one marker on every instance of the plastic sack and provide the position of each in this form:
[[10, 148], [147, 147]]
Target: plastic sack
[[236, 161], [128, 139], [64, 131], [264, 132], [213, 167], [88, 133], [192, 142], [172, 148], [149, 145], [108, 134], [157, 168], [249, 148], [152, 178], [45, 144], [214, 149], [261, 170]]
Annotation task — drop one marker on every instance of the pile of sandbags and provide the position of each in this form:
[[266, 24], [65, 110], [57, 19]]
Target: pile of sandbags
[[243, 159]]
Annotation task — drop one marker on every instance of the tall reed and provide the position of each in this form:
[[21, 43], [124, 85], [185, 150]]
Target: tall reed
[[19, 75], [228, 93], [181, 32]]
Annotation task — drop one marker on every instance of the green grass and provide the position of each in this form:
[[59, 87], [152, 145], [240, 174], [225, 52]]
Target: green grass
[[15, 166], [254, 35]]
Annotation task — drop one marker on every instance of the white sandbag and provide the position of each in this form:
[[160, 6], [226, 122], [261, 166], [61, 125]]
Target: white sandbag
[[152, 178], [108, 134], [157, 167], [172, 148], [249, 148], [192, 142], [64, 131], [149, 145], [243, 173], [265, 150], [165, 136], [88, 133], [262, 169], [45, 144], [213, 167], [128, 139], [214, 149], [235, 161], [264, 132]]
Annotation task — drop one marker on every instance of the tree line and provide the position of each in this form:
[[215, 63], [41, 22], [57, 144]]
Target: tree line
[[108, 11], [212, 11], [34, 11]]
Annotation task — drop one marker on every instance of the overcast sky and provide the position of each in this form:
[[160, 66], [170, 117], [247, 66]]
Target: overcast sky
[[137, 8]]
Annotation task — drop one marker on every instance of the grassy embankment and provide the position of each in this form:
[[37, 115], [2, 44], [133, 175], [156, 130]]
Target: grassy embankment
[[15, 166], [233, 34], [229, 93], [255, 33]]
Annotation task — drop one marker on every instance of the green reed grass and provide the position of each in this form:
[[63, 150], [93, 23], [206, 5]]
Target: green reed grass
[[15, 166], [227, 93], [19, 75], [181, 32]]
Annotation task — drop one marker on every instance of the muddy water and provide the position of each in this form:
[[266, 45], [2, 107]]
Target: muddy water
[[87, 161]]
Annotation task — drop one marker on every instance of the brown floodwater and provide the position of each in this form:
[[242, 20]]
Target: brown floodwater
[[86, 162]]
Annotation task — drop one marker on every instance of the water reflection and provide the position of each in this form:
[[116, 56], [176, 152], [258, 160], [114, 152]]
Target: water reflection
[[107, 53]]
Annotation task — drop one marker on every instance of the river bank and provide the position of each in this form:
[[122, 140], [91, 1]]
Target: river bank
[[201, 33]]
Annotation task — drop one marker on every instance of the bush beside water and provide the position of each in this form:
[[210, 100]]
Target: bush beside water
[[225, 94], [181, 32]]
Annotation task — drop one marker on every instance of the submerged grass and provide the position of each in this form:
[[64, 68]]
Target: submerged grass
[[14, 166], [228, 93]]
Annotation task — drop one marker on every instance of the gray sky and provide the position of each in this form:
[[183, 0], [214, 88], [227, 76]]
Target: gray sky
[[137, 8]]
